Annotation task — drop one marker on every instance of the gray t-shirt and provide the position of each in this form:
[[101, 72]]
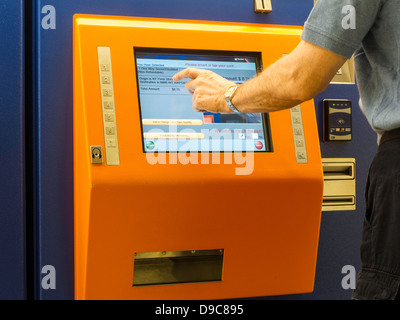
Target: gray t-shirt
[[374, 38]]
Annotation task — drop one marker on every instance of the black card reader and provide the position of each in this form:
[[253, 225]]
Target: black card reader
[[337, 120]]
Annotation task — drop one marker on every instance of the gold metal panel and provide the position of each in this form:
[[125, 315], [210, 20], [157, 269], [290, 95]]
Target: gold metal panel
[[298, 135], [262, 6], [108, 106], [339, 184]]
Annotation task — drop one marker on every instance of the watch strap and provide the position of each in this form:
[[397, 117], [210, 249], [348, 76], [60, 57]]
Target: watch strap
[[230, 93]]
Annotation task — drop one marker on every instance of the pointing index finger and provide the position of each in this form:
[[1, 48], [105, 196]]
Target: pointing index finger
[[191, 73]]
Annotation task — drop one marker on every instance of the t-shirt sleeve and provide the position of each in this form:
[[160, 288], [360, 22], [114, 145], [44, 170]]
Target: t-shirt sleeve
[[341, 25]]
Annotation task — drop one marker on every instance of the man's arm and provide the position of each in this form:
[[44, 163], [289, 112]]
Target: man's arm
[[295, 78]]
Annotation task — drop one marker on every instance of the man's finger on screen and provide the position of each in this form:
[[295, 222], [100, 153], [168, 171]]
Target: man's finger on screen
[[191, 73]]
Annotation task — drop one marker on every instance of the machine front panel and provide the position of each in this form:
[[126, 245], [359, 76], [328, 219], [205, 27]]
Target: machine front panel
[[182, 222]]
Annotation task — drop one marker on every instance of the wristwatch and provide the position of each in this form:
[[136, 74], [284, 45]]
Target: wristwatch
[[229, 94]]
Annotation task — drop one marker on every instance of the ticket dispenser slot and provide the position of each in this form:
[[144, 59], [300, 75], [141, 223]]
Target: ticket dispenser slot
[[339, 185], [155, 268], [171, 213]]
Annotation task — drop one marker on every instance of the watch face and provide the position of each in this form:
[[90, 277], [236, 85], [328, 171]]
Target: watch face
[[229, 92]]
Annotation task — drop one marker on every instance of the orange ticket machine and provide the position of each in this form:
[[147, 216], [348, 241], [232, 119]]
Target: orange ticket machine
[[175, 204]]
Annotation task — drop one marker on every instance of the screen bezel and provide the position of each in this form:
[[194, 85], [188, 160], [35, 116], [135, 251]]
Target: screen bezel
[[259, 68]]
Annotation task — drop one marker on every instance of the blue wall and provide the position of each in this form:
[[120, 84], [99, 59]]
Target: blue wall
[[12, 177], [52, 126]]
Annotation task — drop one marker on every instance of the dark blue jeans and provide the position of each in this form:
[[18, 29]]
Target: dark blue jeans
[[379, 277]]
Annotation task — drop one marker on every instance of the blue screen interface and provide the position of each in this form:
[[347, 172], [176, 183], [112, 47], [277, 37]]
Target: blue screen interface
[[169, 123]]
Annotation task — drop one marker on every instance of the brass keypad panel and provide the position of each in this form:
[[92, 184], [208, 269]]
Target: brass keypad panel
[[108, 106], [298, 135]]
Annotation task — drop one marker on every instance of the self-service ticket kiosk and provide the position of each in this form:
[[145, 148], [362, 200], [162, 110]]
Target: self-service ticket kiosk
[[175, 204]]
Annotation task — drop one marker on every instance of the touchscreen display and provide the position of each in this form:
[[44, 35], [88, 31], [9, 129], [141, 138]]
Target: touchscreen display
[[169, 124]]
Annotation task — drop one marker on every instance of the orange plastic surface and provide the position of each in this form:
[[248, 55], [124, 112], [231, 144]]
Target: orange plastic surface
[[267, 222]]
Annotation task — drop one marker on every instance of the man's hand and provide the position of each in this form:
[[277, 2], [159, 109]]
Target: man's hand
[[291, 80], [207, 89]]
